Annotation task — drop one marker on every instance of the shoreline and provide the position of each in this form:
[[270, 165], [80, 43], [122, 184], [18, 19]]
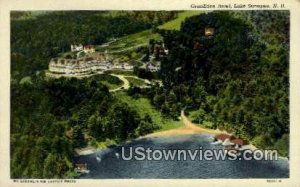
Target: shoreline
[[188, 129]]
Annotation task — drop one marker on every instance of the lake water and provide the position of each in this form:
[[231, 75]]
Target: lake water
[[113, 166]]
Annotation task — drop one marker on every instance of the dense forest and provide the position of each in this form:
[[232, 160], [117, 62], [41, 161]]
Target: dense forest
[[236, 80], [52, 117]]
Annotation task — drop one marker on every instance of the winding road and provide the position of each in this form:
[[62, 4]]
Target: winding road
[[126, 84]]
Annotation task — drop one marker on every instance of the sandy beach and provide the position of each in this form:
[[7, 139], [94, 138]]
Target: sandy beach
[[189, 128]]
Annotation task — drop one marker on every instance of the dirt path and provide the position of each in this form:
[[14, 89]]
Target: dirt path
[[189, 128], [125, 85], [145, 80], [189, 125]]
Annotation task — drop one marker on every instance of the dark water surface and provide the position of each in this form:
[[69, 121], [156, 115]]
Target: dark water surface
[[113, 166]]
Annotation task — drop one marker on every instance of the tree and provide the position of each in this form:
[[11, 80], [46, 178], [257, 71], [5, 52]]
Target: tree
[[50, 168], [78, 137], [95, 127]]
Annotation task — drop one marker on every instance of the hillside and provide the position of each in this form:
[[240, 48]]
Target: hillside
[[176, 23], [233, 78]]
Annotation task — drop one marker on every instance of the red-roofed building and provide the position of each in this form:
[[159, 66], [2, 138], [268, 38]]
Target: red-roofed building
[[223, 137], [89, 49], [239, 142], [198, 46]]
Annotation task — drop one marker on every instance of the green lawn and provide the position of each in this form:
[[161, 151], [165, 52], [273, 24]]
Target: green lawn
[[135, 81], [110, 81], [143, 106], [176, 23], [131, 42], [111, 86], [26, 79]]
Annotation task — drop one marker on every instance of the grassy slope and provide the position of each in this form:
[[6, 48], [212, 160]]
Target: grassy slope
[[129, 41], [143, 106], [176, 23], [107, 82], [142, 38], [110, 85]]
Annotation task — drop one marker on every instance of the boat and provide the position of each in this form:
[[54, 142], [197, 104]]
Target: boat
[[98, 158]]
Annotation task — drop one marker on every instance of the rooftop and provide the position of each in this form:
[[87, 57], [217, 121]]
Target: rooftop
[[223, 137]]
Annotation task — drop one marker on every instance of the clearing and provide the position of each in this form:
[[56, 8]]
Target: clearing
[[176, 23], [143, 107]]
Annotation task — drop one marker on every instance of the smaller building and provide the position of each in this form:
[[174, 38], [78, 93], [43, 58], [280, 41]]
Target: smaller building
[[89, 49], [223, 137], [76, 47], [209, 31], [152, 67], [239, 143]]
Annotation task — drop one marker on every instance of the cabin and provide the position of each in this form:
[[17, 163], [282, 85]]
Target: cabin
[[209, 31]]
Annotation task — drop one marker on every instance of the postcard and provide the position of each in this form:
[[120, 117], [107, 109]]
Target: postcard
[[144, 93]]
